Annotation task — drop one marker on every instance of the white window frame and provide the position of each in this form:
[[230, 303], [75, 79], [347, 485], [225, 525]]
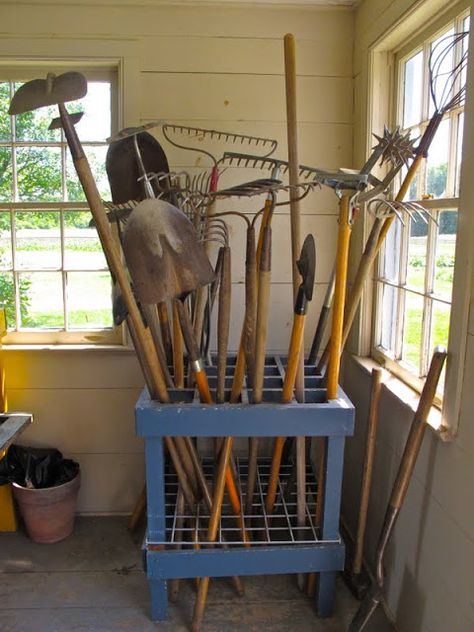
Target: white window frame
[[94, 70], [381, 84]]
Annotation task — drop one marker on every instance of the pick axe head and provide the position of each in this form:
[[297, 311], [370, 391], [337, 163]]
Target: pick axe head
[[53, 90], [307, 266], [163, 254]]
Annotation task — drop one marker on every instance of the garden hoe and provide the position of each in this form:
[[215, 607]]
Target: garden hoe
[[57, 90]]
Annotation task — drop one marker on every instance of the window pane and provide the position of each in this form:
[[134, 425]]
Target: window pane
[[412, 330], [5, 121], [33, 125], [445, 250], [440, 324], [437, 162], [413, 192], [412, 94], [44, 309], [96, 158], [391, 262], [89, 300], [5, 241], [6, 175], [82, 247], [389, 311], [417, 244], [442, 56], [7, 297], [95, 125], [459, 153], [39, 174], [38, 239]]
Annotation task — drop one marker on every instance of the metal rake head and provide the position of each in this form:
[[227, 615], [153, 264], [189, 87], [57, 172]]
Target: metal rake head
[[382, 208], [267, 145]]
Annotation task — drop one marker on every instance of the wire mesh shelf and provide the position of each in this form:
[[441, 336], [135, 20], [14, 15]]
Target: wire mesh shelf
[[186, 528]]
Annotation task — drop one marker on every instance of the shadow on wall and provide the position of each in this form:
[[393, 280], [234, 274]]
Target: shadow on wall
[[411, 604]]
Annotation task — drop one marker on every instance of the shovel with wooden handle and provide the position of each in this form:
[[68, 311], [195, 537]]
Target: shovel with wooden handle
[[307, 268], [166, 261]]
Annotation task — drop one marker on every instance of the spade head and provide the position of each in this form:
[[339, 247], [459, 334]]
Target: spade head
[[163, 254], [50, 91], [123, 170], [307, 265]]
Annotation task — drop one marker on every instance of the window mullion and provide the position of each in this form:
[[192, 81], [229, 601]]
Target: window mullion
[[63, 271], [16, 283], [402, 276]]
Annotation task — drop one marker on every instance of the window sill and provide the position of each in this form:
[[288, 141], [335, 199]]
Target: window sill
[[408, 396], [66, 348]]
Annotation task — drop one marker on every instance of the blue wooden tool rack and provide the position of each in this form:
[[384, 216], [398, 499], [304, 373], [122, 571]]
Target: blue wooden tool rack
[[322, 552]]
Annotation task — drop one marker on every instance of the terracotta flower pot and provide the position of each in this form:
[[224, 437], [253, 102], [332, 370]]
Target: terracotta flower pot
[[48, 513]]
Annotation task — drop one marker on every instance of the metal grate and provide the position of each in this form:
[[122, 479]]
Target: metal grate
[[185, 529]]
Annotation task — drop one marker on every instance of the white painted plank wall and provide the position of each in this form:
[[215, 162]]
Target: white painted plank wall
[[208, 67], [429, 562]]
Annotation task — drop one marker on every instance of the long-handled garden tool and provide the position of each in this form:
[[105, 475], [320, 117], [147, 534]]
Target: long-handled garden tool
[[166, 261], [306, 267], [58, 90], [355, 578], [133, 155], [447, 89], [400, 488]]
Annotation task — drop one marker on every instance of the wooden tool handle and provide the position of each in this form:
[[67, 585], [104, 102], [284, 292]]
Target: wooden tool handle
[[266, 221], [372, 423], [223, 322], [193, 351], [262, 315], [296, 342], [274, 473], [165, 331], [417, 429], [178, 351], [213, 527], [339, 296], [251, 285], [293, 177]]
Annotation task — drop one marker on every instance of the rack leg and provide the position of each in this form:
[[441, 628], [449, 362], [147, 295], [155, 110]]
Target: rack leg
[[330, 518], [159, 599], [156, 522], [325, 594]]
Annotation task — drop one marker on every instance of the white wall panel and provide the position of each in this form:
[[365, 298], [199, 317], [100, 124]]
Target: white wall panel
[[209, 67]]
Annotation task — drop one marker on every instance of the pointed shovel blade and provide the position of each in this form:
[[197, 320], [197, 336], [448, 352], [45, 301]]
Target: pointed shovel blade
[[162, 252], [307, 265]]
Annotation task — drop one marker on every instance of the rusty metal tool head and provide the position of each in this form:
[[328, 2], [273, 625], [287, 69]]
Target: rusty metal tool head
[[132, 155], [38, 93], [163, 254], [307, 268]]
